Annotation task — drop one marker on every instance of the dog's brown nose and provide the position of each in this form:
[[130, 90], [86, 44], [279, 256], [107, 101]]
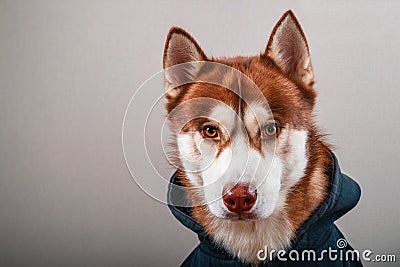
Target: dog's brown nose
[[239, 198]]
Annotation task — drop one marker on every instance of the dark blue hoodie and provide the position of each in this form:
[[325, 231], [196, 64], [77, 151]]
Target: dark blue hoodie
[[318, 232]]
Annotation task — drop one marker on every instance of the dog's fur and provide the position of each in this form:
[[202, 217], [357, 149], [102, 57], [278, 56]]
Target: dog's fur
[[295, 162]]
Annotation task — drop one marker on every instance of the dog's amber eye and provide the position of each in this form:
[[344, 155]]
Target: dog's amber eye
[[210, 132], [271, 129]]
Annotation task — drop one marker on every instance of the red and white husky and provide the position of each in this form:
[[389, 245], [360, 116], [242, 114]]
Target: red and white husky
[[254, 172]]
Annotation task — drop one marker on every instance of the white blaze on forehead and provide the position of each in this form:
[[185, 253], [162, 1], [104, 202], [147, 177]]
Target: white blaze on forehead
[[255, 116], [225, 116]]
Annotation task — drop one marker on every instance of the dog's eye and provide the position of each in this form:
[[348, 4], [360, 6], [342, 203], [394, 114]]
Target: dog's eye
[[272, 129], [210, 132]]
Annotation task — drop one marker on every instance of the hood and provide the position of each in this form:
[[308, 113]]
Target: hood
[[343, 195]]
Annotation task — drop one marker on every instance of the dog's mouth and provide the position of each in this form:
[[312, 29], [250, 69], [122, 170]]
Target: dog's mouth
[[246, 216]]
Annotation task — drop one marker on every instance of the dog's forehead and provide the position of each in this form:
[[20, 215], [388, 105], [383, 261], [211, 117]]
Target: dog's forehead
[[240, 102], [248, 115], [251, 89], [255, 116], [225, 115]]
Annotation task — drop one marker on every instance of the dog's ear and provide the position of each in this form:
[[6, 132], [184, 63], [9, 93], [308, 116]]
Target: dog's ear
[[288, 48], [180, 47]]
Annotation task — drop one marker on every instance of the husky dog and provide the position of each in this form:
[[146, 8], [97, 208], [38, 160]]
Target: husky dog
[[254, 165]]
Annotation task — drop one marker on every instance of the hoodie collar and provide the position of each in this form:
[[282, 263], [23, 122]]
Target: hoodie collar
[[343, 194]]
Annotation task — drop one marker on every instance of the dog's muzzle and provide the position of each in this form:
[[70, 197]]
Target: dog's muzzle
[[240, 198]]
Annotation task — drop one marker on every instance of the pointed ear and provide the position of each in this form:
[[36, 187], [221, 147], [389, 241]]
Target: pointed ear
[[288, 48], [180, 47]]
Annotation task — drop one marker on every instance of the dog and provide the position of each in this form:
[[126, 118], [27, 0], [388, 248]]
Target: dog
[[255, 168]]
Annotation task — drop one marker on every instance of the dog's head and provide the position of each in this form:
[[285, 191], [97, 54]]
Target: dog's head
[[241, 126]]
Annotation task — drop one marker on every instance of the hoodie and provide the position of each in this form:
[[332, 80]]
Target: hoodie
[[317, 233]]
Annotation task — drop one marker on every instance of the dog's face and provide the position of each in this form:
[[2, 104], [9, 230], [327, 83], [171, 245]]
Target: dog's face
[[241, 125]]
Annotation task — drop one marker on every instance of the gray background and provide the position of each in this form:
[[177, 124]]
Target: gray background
[[69, 68]]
